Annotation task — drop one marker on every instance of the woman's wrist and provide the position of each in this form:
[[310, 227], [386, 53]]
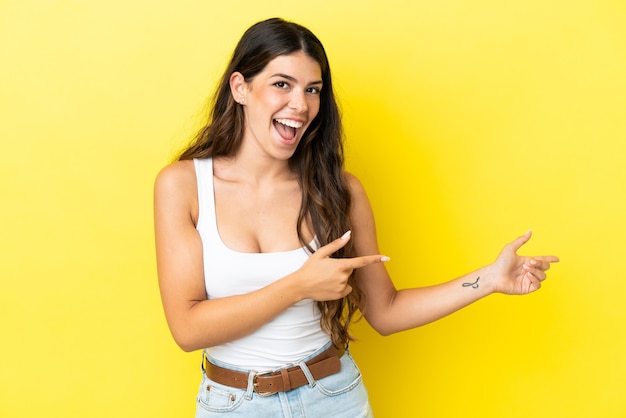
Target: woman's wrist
[[484, 279]]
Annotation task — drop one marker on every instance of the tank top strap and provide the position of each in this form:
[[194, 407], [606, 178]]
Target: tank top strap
[[207, 219]]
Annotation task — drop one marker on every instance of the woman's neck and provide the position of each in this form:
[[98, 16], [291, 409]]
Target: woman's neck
[[253, 168]]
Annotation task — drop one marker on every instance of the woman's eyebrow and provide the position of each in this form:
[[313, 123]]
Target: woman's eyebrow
[[290, 78]]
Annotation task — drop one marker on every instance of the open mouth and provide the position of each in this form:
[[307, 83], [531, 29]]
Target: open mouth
[[288, 129]]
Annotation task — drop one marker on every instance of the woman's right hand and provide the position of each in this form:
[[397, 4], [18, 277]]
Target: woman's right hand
[[323, 278]]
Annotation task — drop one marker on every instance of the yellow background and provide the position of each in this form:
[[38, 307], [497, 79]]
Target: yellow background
[[468, 122]]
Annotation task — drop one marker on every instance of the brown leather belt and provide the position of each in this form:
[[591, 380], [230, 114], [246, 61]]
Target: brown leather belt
[[269, 383]]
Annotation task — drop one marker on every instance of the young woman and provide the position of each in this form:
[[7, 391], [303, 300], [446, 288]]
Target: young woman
[[266, 248]]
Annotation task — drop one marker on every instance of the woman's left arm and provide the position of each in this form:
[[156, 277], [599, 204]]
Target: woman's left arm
[[389, 310]]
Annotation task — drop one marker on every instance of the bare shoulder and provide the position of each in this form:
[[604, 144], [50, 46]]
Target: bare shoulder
[[175, 189], [361, 210], [362, 217], [176, 174], [357, 191]]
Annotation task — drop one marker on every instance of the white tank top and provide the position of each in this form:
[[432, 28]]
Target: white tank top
[[290, 336]]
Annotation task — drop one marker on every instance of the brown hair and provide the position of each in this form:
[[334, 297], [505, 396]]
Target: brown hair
[[317, 162]]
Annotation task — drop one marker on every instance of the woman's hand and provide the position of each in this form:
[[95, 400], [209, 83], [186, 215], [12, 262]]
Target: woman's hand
[[324, 278], [519, 275]]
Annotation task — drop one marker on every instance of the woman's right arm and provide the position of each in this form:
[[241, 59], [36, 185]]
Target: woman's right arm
[[196, 322]]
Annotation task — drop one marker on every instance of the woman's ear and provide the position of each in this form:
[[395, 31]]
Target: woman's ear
[[238, 87]]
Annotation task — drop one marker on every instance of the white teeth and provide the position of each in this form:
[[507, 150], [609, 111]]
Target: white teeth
[[290, 123]]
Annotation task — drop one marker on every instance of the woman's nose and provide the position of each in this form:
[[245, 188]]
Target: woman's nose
[[298, 102]]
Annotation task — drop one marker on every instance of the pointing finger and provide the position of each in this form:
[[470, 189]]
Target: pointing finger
[[542, 263], [366, 260], [546, 259]]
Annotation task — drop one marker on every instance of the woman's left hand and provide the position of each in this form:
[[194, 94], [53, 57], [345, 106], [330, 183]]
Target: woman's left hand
[[519, 275]]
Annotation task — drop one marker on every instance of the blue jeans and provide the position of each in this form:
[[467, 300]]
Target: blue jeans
[[341, 395]]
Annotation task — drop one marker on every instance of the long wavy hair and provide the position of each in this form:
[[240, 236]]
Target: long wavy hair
[[318, 161]]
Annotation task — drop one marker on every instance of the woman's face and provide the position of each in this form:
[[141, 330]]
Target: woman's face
[[279, 103]]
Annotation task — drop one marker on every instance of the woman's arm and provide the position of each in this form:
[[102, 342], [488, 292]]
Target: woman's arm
[[389, 310], [196, 322]]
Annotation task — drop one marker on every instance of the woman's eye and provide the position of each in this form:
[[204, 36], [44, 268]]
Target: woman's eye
[[314, 90], [281, 84]]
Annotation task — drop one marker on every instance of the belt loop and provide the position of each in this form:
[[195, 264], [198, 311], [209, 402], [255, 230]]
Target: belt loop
[[307, 373], [250, 389], [203, 364], [286, 382]]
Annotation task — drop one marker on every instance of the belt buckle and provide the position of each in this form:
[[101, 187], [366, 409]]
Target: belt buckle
[[256, 386]]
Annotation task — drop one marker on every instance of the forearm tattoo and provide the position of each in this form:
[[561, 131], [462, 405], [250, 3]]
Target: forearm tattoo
[[474, 285]]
